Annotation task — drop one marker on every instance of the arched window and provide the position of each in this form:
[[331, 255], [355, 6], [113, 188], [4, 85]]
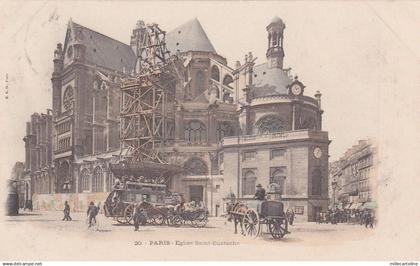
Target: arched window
[[215, 73], [269, 124], [84, 180], [196, 166], [227, 80], [224, 129], [200, 81], [249, 180], [195, 132], [68, 98], [278, 176], [97, 181], [274, 40], [316, 183]]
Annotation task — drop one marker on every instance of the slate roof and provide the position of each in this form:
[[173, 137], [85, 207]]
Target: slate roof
[[269, 81], [105, 51], [189, 37]]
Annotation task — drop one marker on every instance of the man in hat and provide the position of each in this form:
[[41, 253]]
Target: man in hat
[[260, 193]]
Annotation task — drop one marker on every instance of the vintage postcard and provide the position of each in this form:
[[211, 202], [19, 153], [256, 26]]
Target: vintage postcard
[[220, 130]]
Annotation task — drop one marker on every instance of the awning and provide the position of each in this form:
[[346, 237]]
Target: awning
[[370, 205], [355, 206]]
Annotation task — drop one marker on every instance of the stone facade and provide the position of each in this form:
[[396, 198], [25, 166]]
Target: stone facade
[[355, 175], [233, 128]]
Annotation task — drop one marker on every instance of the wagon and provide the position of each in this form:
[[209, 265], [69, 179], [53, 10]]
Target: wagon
[[253, 214], [121, 201]]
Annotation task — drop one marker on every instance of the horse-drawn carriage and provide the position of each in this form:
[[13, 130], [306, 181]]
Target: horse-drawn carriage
[[141, 184], [121, 202], [252, 214]]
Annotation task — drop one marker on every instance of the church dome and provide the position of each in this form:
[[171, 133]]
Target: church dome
[[276, 19], [269, 81]]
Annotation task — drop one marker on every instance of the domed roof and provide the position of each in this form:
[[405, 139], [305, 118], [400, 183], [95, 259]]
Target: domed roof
[[276, 19], [269, 81], [189, 37]]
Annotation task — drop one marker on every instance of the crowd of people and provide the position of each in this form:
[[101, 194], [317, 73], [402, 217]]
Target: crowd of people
[[363, 217]]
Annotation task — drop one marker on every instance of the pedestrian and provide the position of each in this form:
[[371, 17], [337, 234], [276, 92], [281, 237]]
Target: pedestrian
[[136, 217], [92, 212], [66, 212]]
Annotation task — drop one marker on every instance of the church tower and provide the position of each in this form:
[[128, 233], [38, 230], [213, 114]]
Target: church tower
[[275, 53]]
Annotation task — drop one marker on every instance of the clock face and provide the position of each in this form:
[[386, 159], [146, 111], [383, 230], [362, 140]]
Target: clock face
[[317, 152], [296, 89]]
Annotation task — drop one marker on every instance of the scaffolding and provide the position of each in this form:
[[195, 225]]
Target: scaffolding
[[144, 100]]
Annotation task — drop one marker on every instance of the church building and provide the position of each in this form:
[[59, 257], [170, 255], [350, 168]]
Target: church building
[[233, 128]]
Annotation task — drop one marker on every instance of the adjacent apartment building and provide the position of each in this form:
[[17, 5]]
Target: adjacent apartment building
[[353, 176]]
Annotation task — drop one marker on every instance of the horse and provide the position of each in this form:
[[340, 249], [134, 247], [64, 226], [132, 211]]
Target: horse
[[234, 211]]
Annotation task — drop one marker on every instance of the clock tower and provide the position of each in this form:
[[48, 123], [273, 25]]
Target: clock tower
[[275, 53]]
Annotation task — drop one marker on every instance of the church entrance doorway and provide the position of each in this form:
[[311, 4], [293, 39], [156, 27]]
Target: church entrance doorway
[[196, 194]]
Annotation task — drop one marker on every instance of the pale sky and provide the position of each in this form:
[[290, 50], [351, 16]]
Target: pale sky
[[362, 56]]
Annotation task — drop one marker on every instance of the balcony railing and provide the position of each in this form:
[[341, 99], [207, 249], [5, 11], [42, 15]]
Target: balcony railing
[[279, 136]]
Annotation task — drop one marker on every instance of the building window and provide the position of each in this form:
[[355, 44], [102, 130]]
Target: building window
[[249, 180], [277, 153], [68, 98], [111, 180], [64, 178], [316, 183], [309, 123], [224, 130], [64, 143], [269, 124], [196, 166], [84, 180], [215, 73], [97, 182], [249, 155], [63, 127], [200, 81], [227, 80], [170, 130], [278, 177], [195, 132]]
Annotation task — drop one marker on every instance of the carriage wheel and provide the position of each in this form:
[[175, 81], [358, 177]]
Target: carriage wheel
[[158, 219], [251, 222], [128, 213], [201, 220], [277, 228], [176, 221], [120, 219], [150, 220]]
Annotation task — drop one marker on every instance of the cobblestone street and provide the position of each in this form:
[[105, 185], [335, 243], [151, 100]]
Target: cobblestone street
[[115, 238]]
